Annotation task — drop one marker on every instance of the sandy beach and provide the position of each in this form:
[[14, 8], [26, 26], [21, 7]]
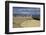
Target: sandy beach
[[20, 22]]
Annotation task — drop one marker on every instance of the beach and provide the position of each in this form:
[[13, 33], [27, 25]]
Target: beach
[[28, 21]]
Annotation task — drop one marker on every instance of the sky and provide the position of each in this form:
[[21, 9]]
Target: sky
[[26, 10]]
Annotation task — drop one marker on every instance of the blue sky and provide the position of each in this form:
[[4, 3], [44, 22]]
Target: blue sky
[[26, 10]]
